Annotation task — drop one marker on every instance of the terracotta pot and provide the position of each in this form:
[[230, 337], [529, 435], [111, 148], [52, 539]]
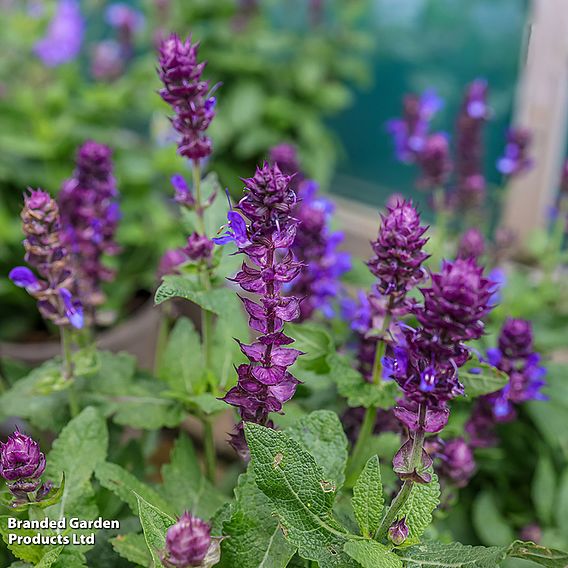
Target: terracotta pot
[[137, 335]]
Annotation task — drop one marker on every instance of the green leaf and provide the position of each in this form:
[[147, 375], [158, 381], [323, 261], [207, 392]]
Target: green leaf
[[372, 554], [322, 435], [455, 555], [544, 489], [70, 558], [539, 554], [418, 509], [488, 522], [132, 547], [155, 524], [206, 403], [368, 500], [126, 486], [27, 552], [255, 539], [182, 362], [50, 557], [313, 339], [480, 378], [176, 286], [185, 486], [115, 372], [80, 447], [300, 496], [353, 386]]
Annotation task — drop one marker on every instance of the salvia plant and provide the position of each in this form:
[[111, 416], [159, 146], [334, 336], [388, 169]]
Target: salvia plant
[[357, 419]]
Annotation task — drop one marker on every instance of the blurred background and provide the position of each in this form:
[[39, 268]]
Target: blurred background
[[325, 75]]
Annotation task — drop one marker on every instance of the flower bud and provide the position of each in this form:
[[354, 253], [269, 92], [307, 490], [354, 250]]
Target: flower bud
[[398, 532], [21, 463], [187, 542], [198, 247]]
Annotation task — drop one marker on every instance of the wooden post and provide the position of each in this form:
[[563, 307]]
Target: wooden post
[[541, 106]]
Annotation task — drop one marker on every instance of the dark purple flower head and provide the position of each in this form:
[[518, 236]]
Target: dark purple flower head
[[399, 253], [21, 463], [411, 131], [286, 156], [516, 338], [515, 160], [398, 532], [472, 244], [107, 60], [64, 36], [55, 289], [457, 462], [188, 95], [269, 198], [456, 302], [434, 161], [187, 542], [264, 384], [198, 247], [90, 216]]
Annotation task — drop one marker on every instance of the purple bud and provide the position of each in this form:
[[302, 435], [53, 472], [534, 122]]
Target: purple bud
[[73, 308], [531, 533], [198, 247], [398, 532], [21, 463], [472, 244], [183, 194], [187, 542], [435, 161], [516, 338], [515, 160], [171, 261], [458, 464]]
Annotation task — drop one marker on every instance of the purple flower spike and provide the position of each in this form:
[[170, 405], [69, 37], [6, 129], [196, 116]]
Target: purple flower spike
[[515, 160], [435, 162], [515, 356], [399, 253], [21, 464], [46, 253], [188, 95], [64, 37], [264, 384], [90, 216], [24, 278], [187, 542], [398, 532]]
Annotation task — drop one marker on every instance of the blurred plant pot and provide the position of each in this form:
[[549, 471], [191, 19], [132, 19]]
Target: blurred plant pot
[[136, 335]]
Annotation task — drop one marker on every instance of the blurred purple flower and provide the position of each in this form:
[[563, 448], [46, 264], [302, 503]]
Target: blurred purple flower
[[515, 160], [64, 36]]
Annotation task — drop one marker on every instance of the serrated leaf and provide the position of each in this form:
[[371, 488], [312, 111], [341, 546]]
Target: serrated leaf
[[125, 486], [132, 547], [539, 554], [80, 447], [155, 524], [255, 539], [488, 522], [372, 554], [455, 555], [368, 500], [70, 558], [322, 435], [27, 552], [175, 286], [296, 486], [49, 558], [185, 486], [418, 509], [544, 489], [115, 372], [479, 378], [181, 365], [359, 392]]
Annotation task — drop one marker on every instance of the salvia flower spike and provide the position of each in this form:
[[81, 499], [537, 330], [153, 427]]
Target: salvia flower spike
[[55, 288], [187, 542], [21, 464], [188, 94], [264, 384], [90, 213]]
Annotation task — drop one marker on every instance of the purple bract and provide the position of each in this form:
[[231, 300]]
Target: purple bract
[[21, 463], [187, 542]]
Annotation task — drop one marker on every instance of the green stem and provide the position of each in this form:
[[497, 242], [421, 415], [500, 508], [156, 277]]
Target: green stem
[[209, 448], [67, 369], [402, 496], [206, 317], [162, 340], [360, 450]]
